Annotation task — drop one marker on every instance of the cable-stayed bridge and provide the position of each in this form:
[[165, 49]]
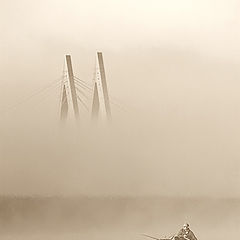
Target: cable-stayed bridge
[[78, 96]]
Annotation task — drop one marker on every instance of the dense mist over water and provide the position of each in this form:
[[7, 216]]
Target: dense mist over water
[[171, 152], [176, 128]]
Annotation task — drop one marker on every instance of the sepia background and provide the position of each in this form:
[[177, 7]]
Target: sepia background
[[171, 153]]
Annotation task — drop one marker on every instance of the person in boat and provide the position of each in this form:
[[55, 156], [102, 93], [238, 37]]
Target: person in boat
[[185, 233]]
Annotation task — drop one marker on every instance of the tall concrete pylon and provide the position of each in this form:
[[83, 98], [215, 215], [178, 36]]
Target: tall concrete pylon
[[100, 106], [69, 104]]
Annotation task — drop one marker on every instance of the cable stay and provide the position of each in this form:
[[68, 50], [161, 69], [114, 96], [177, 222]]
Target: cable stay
[[83, 86], [34, 104], [81, 92], [118, 105], [85, 82], [83, 103], [47, 95], [53, 84]]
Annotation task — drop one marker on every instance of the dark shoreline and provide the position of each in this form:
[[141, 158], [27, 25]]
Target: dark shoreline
[[28, 214]]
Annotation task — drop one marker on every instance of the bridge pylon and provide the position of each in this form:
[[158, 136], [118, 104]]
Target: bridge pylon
[[69, 104], [100, 105]]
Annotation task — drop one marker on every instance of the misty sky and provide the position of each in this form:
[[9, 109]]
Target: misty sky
[[174, 66]]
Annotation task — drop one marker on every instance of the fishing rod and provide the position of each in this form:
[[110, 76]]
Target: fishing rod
[[145, 235]]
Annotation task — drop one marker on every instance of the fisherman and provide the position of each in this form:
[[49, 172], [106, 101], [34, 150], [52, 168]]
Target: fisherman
[[185, 233]]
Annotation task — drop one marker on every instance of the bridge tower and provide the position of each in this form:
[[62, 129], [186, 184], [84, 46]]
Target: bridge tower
[[69, 104], [100, 105]]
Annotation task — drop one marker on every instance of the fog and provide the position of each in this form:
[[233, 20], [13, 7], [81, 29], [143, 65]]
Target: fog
[[180, 117], [170, 153]]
